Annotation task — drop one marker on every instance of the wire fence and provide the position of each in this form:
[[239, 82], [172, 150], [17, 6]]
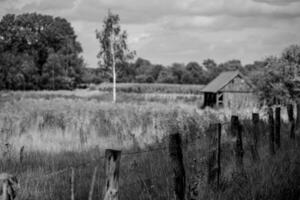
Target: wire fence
[[142, 180], [156, 148]]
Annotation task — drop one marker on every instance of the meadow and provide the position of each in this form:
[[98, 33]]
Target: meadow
[[60, 129]]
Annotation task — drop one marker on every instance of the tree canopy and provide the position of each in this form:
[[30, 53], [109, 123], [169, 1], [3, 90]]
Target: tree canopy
[[276, 79], [114, 51], [38, 52]]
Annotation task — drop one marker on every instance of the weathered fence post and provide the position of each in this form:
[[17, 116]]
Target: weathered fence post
[[255, 135], [219, 130], [277, 127], [176, 157], [236, 129], [112, 166], [5, 195], [8, 182], [233, 125], [271, 131], [93, 184], [214, 154], [298, 117], [72, 183], [22, 154], [290, 111]]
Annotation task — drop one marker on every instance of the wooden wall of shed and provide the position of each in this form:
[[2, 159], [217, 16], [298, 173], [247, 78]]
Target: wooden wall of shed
[[239, 100]]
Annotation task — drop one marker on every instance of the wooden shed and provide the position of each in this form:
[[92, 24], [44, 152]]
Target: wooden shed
[[229, 89]]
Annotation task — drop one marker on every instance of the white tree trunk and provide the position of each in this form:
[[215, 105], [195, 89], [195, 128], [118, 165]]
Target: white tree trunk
[[113, 68], [114, 81]]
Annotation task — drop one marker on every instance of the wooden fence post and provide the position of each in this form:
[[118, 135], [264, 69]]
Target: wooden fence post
[[256, 135], [271, 131], [176, 157], [8, 182], [22, 154], [72, 183], [298, 117], [277, 127], [93, 183], [112, 167], [5, 195], [236, 128], [290, 111], [214, 154], [219, 130], [233, 125]]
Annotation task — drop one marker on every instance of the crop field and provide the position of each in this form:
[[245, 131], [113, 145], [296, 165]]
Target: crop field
[[151, 88], [62, 130]]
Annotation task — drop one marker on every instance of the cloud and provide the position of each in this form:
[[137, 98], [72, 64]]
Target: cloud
[[55, 5], [278, 2]]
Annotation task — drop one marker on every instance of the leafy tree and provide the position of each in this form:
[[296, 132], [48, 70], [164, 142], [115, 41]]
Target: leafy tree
[[32, 39], [274, 82], [144, 78], [126, 73], [113, 47], [166, 76], [155, 70], [231, 65], [178, 69], [187, 77], [211, 68], [198, 74], [292, 54], [145, 71]]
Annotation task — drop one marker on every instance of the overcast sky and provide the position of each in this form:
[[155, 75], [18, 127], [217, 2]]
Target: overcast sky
[[167, 31]]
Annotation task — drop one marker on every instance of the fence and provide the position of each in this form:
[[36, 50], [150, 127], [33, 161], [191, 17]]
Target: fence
[[112, 158]]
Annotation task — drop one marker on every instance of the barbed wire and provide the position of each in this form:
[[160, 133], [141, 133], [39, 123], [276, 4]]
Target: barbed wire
[[85, 164], [45, 176]]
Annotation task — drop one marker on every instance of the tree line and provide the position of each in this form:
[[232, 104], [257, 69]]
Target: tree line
[[143, 71], [42, 52], [38, 52]]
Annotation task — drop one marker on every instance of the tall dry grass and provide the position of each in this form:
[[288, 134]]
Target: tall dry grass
[[59, 132]]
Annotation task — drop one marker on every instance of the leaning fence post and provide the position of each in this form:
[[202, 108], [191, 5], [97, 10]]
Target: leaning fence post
[[72, 183], [271, 131], [255, 135], [290, 111], [236, 128], [277, 127], [112, 167], [176, 157]]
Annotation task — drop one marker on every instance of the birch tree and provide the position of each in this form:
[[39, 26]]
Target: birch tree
[[114, 50]]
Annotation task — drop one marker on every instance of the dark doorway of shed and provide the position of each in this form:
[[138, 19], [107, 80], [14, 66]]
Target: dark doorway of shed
[[210, 99]]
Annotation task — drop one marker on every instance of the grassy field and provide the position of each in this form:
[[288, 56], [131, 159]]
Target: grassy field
[[62, 129]]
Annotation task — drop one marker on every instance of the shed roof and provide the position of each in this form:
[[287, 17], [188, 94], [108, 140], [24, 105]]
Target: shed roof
[[220, 81]]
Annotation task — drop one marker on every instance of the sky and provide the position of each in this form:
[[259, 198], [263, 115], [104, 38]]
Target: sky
[[168, 31]]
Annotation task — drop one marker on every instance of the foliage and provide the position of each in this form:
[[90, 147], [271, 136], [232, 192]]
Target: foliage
[[143, 71], [38, 52], [113, 45], [276, 80]]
